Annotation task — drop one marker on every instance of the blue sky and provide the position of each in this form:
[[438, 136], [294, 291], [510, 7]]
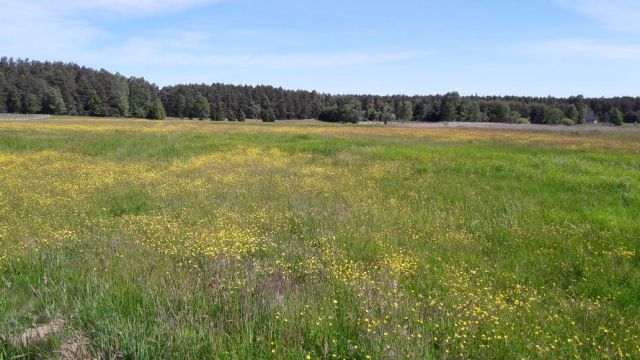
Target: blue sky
[[501, 47]]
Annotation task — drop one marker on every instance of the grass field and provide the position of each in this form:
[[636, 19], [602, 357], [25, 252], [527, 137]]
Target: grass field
[[149, 240]]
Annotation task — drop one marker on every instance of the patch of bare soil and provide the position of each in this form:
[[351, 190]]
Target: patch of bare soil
[[76, 348], [38, 334]]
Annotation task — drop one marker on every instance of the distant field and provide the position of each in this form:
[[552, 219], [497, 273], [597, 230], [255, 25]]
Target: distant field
[[185, 239]]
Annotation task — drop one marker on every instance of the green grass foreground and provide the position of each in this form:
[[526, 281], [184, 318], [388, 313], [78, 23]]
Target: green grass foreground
[[174, 240]]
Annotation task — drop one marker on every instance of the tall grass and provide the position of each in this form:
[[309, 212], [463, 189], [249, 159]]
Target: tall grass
[[197, 240]]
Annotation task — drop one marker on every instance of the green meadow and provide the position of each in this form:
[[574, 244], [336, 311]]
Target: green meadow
[[123, 239]]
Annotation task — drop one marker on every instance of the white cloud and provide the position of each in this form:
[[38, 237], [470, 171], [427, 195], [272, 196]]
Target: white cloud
[[30, 30], [42, 29], [583, 47], [137, 7], [72, 31], [119, 7], [618, 15], [185, 49]]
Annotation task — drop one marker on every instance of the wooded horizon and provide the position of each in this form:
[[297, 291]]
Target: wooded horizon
[[28, 86]]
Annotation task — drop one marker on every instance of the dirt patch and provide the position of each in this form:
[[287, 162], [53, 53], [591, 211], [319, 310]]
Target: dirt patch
[[38, 334], [76, 348]]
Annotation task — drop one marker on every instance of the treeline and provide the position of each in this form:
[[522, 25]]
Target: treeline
[[60, 88], [232, 102], [507, 109], [33, 87]]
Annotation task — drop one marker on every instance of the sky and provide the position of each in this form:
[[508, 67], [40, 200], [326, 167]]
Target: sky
[[488, 47]]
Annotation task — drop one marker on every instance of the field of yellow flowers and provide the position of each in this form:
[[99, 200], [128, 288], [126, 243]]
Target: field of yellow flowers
[[186, 239]]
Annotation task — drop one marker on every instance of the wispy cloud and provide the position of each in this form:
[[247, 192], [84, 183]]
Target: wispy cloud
[[120, 7], [618, 15], [139, 6], [38, 29], [64, 30], [583, 47], [28, 29], [185, 49]]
